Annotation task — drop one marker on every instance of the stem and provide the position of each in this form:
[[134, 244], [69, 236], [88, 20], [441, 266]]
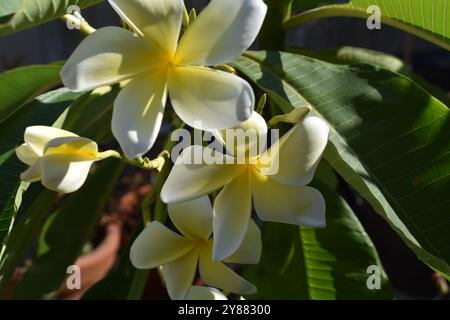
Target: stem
[[143, 163], [273, 34], [336, 11], [82, 24], [157, 186], [138, 284]]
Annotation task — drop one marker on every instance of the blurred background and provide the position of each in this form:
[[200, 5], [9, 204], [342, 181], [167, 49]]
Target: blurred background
[[409, 276]]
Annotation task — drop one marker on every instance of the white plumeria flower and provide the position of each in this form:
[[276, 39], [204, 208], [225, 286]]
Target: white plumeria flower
[[204, 293], [158, 66], [58, 158], [179, 254], [276, 181]]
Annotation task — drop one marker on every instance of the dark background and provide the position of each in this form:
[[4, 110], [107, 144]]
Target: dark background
[[410, 277]]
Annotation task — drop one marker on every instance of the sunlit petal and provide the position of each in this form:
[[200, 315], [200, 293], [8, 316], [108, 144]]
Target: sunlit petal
[[278, 202], [107, 56], [62, 175], [209, 99], [232, 210], [179, 274], [295, 157], [218, 275], [138, 113], [158, 21], [188, 180], [192, 218], [251, 248], [222, 32], [36, 137], [157, 245]]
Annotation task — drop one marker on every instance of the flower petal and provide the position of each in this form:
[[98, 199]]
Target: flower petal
[[208, 99], [248, 137], [138, 114], [188, 180], [66, 163], [26, 154], [157, 245], [295, 157], [33, 173], [251, 248], [74, 148], [107, 56], [278, 202], [216, 274], [158, 21], [36, 137], [205, 293], [61, 175], [232, 210], [192, 218], [222, 32], [179, 274]]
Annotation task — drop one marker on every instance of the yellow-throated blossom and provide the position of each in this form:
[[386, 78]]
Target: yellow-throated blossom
[[276, 180], [179, 255], [58, 158], [159, 66]]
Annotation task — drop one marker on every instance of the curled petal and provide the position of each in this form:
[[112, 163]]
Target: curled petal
[[60, 174], [36, 137]]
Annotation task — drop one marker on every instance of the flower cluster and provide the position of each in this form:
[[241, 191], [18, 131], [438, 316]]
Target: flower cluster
[[159, 60]]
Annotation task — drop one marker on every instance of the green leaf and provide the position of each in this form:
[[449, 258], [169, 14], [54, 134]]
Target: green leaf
[[22, 85], [90, 115], [16, 15], [423, 18], [349, 55], [8, 214], [329, 263], [388, 139], [69, 231], [32, 211]]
